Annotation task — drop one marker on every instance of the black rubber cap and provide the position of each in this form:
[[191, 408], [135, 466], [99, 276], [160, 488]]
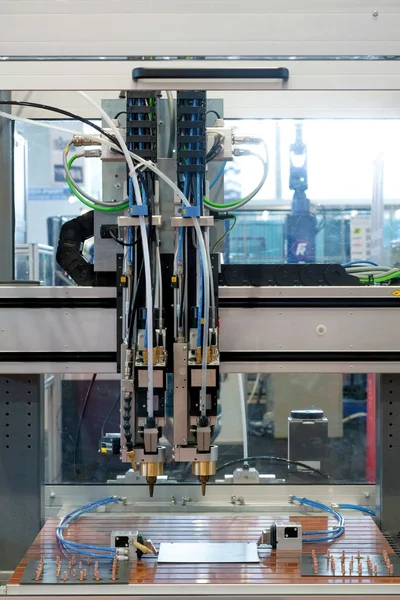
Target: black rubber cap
[[307, 415]]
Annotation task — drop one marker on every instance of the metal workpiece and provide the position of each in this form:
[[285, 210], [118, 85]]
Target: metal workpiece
[[124, 221], [181, 408], [142, 378], [191, 454], [203, 436], [206, 221], [196, 377], [246, 476], [150, 437]]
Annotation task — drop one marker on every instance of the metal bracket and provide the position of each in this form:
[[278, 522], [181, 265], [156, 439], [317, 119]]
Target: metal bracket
[[188, 222], [156, 220]]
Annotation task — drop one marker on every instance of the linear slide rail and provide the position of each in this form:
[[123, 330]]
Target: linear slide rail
[[270, 330]]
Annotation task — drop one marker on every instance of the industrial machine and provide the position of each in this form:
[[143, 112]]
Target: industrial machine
[[154, 307]]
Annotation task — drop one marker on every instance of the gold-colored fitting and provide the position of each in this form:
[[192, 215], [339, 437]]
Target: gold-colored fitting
[[145, 356], [155, 355], [131, 455], [204, 470], [214, 353], [160, 354], [151, 470], [208, 355], [198, 356]]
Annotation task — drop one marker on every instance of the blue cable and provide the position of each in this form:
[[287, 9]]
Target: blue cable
[[218, 175], [79, 547], [200, 309], [360, 262], [362, 509], [331, 535]]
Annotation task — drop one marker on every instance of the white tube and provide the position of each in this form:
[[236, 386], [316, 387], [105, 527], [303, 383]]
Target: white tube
[[180, 194], [146, 250], [212, 293], [244, 419]]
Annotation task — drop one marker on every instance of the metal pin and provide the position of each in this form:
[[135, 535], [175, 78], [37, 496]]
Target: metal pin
[[391, 569], [84, 573], [73, 573], [375, 570], [358, 555], [89, 561], [343, 554], [96, 565], [65, 576], [70, 565], [80, 564], [73, 559], [80, 575]]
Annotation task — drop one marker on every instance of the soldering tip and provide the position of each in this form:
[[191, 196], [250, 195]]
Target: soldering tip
[[203, 485], [151, 483]]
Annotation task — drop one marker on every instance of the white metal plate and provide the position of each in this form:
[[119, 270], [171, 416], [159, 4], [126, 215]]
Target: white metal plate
[[208, 552]]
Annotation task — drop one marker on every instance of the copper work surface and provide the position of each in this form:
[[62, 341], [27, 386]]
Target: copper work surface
[[361, 534]]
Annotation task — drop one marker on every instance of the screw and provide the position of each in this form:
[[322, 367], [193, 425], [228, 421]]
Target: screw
[[367, 495], [117, 186], [160, 123], [375, 13], [52, 495]]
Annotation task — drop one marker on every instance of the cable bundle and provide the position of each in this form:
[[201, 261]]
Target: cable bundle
[[369, 272], [91, 550], [328, 535]]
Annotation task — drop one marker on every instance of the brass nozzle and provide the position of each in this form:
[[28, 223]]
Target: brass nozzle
[[151, 470], [151, 481], [131, 456], [204, 470], [145, 356]]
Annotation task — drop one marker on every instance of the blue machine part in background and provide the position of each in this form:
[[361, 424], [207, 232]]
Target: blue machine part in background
[[301, 225]]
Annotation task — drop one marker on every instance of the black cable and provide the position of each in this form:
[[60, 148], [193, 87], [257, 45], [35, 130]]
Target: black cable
[[272, 459], [121, 242], [132, 305], [121, 112], [109, 414], [61, 111], [213, 112], [78, 431]]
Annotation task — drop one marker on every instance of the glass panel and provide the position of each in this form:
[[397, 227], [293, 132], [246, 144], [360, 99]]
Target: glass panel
[[49, 202], [337, 450]]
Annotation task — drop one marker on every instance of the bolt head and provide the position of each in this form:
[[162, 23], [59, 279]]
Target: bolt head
[[52, 496], [375, 13]]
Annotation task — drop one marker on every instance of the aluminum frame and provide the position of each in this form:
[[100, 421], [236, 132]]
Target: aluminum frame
[[33, 28]]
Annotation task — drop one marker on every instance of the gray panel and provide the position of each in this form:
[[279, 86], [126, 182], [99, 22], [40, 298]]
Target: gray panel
[[388, 452], [208, 552], [309, 330], [21, 465], [58, 330]]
